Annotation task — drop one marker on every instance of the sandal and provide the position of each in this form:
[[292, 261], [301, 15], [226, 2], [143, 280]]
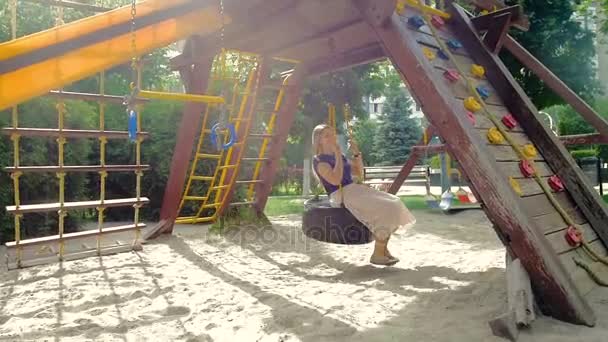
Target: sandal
[[383, 260]]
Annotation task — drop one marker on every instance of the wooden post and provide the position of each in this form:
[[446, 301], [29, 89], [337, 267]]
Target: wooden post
[[448, 117], [285, 118], [195, 80], [559, 87], [409, 164]]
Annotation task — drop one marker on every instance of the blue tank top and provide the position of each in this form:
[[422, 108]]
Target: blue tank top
[[331, 160]]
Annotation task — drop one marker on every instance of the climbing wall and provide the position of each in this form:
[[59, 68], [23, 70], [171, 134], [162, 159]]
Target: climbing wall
[[500, 147]]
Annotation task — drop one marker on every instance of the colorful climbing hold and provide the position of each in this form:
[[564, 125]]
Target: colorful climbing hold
[[529, 151], [443, 55], [428, 53], [400, 7], [454, 44], [556, 183], [478, 71], [483, 91], [573, 236], [416, 21], [509, 121], [526, 168], [437, 21], [515, 186], [494, 136], [471, 117], [471, 104], [451, 75]]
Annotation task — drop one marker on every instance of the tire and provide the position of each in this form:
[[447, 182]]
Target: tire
[[333, 225]]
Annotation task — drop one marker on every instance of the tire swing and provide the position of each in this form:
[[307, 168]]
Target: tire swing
[[325, 223]]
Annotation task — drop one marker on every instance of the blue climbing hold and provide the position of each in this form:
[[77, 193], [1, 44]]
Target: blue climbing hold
[[416, 21], [443, 55], [483, 92], [454, 44], [132, 125], [216, 140]]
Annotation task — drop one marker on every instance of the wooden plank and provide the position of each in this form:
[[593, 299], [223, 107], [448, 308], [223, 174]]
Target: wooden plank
[[77, 235], [501, 205], [520, 138], [195, 79], [409, 164], [460, 91], [497, 31], [71, 256], [583, 139], [511, 169], [553, 221], [537, 205], [581, 278], [527, 115], [505, 153], [481, 121], [530, 187], [285, 119], [46, 207]]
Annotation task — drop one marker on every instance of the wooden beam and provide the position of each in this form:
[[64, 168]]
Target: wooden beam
[[359, 56], [71, 4], [285, 118], [431, 149], [497, 31], [484, 22], [195, 79], [410, 163], [448, 117], [559, 87], [583, 139], [519, 20], [555, 287]]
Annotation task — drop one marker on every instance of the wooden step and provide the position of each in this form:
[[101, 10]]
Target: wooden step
[[252, 181], [202, 178], [79, 168], [76, 235], [261, 135], [255, 159], [46, 207], [68, 133], [195, 198], [236, 204]]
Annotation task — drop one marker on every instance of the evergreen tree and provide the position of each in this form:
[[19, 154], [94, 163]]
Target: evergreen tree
[[397, 131]]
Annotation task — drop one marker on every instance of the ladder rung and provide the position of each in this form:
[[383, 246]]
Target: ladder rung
[[227, 167], [209, 156], [212, 205], [195, 198], [241, 119], [261, 135], [219, 187], [68, 133], [240, 203], [202, 178], [78, 168], [252, 181], [76, 235], [46, 207], [255, 159]]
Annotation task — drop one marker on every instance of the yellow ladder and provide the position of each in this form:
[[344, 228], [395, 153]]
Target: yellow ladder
[[214, 194]]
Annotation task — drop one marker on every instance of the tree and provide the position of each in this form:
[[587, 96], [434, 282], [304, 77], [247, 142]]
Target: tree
[[397, 131], [559, 42], [364, 132]]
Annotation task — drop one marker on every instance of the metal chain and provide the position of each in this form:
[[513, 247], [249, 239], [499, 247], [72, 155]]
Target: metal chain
[[133, 45]]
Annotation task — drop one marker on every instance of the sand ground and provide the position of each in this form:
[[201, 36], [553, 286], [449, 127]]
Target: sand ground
[[273, 284]]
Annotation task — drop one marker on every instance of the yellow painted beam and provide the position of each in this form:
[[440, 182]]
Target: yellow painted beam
[[146, 94], [38, 79], [421, 7]]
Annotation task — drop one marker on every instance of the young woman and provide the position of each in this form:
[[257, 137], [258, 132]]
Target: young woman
[[381, 212]]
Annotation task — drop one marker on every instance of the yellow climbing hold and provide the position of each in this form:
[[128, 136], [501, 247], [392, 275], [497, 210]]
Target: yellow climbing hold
[[515, 186], [428, 53], [494, 136], [471, 104], [478, 71], [400, 7], [529, 151]]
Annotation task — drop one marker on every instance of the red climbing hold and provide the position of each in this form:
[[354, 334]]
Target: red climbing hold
[[471, 117], [574, 236], [509, 121], [437, 21], [451, 75], [526, 169], [556, 184]]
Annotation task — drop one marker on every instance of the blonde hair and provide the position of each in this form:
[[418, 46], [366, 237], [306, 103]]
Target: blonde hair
[[316, 138]]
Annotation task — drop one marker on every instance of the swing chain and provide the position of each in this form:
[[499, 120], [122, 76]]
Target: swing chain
[[129, 100]]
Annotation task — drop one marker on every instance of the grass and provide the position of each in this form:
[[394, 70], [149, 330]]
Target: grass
[[289, 205]]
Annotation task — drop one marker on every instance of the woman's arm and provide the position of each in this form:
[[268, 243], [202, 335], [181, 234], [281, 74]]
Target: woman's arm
[[357, 166], [332, 175]]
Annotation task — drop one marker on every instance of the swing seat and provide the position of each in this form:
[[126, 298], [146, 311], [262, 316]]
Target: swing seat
[[325, 223]]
